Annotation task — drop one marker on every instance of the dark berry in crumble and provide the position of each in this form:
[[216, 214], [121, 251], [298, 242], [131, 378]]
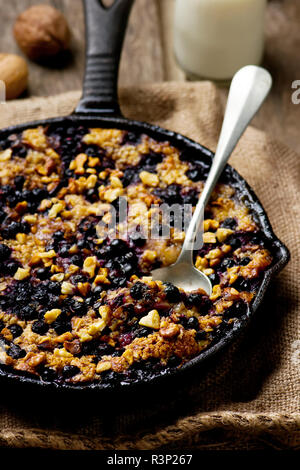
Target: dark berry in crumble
[[39, 327], [16, 352], [139, 290], [5, 252], [172, 292], [16, 330], [70, 371]]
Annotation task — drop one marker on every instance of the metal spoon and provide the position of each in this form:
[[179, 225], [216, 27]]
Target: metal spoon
[[249, 88]]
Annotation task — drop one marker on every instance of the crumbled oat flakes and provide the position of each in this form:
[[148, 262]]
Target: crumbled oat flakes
[[75, 302]]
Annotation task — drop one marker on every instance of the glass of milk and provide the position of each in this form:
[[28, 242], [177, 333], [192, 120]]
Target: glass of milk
[[215, 38]]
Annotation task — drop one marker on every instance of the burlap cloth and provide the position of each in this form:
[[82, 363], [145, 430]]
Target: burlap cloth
[[249, 397]]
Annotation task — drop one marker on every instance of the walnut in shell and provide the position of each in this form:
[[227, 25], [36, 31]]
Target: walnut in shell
[[42, 31], [14, 73]]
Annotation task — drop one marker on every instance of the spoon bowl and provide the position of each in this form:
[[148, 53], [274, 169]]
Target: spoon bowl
[[249, 88], [185, 276]]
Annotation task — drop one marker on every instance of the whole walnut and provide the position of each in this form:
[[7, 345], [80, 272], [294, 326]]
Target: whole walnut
[[41, 32], [14, 73]]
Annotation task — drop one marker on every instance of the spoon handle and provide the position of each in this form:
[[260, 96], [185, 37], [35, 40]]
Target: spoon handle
[[249, 88]]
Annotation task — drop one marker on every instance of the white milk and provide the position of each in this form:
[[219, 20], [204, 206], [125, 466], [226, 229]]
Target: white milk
[[215, 38]]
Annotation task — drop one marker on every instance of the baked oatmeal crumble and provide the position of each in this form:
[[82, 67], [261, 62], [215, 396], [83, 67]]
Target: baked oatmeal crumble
[[76, 301]]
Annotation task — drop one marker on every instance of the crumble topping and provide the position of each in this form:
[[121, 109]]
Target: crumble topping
[[76, 300]]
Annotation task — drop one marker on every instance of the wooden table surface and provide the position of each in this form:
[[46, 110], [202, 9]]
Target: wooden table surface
[[148, 56]]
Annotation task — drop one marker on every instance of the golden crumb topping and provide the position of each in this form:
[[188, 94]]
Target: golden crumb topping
[[82, 225]]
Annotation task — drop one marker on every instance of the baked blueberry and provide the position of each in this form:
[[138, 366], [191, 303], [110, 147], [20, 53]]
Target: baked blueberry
[[234, 242], [64, 251], [130, 175], [138, 239], [10, 229], [142, 332], [16, 330], [236, 310], [242, 284], [41, 294], [130, 138], [172, 292], [104, 349], [192, 323], [40, 327], [92, 194], [5, 252], [170, 195], [78, 308], [97, 291], [244, 261], [2, 215], [59, 235], [256, 240], [47, 374], [19, 181], [193, 299], [20, 151], [87, 226], [28, 312], [230, 223], [227, 263], [118, 352], [190, 196], [205, 306], [43, 273], [78, 278], [118, 246], [70, 371], [61, 324], [40, 193], [10, 268], [149, 161], [127, 269], [201, 335], [214, 278], [119, 281], [54, 287], [139, 290], [16, 352], [27, 196], [77, 259]]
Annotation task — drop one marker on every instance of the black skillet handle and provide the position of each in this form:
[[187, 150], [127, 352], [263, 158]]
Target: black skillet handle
[[105, 31]]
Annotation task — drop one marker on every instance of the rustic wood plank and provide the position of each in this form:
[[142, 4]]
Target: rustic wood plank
[[142, 59], [280, 116]]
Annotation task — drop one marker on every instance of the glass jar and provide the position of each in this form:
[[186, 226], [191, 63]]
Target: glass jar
[[215, 38]]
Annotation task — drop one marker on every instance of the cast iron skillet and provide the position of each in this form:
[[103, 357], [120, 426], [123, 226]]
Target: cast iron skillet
[[99, 107]]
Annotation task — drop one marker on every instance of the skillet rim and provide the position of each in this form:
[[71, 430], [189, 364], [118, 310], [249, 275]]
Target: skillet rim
[[281, 253]]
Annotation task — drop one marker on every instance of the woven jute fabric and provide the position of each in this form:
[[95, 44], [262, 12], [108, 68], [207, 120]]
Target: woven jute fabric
[[248, 398]]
